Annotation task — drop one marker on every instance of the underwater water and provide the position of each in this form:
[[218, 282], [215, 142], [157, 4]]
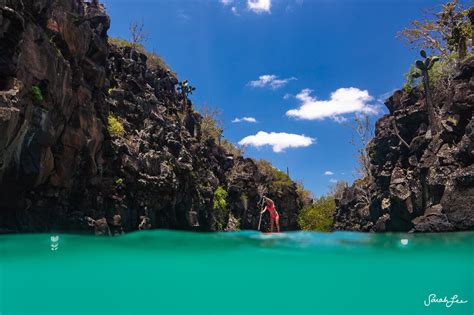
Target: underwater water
[[169, 272]]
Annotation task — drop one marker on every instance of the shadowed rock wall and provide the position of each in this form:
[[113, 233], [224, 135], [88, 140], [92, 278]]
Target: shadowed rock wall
[[60, 83]]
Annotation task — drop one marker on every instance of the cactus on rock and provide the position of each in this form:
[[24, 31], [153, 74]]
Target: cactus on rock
[[424, 66]]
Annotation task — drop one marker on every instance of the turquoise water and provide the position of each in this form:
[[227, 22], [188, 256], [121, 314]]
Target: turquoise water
[[167, 272]]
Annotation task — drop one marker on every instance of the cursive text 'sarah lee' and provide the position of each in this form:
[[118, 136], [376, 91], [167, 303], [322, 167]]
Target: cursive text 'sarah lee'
[[448, 302]]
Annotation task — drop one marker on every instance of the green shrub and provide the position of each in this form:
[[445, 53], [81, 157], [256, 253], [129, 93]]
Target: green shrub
[[319, 215], [220, 207], [440, 73], [115, 127], [119, 182], [412, 79], [220, 199], [37, 94], [453, 120], [445, 68]]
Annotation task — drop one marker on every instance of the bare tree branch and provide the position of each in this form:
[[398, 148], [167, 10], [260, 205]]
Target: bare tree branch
[[138, 34], [394, 124]]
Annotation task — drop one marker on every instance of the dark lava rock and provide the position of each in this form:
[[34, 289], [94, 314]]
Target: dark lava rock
[[429, 185], [60, 83]]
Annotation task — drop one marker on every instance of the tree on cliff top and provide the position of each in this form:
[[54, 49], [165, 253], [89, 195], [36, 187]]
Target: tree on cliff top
[[363, 132], [137, 33], [212, 124], [138, 37], [445, 32], [212, 127]]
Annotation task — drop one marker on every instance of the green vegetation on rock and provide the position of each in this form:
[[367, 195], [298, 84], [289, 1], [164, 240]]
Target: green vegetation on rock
[[319, 215], [220, 199], [220, 207], [37, 94], [411, 79], [448, 34], [119, 182], [425, 66], [441, 75], [115, 127]]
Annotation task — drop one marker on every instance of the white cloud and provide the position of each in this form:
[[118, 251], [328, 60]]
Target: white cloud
[[259, 6], [332, 180], [279, 141], [342, 101], [328, 173], [270, 80], [255, 6], [245, 119]]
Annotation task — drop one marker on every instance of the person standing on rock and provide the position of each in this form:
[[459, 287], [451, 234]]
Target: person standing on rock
[[274, 216]]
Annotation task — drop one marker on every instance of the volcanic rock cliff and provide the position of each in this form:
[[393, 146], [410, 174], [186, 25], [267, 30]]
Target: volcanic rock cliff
[[61, 86], [420, 181]]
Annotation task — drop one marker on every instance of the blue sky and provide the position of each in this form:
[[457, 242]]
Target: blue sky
[[279, 62]]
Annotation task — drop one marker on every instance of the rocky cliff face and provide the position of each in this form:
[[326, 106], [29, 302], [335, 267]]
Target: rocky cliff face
[[427, 184], [60, 84]]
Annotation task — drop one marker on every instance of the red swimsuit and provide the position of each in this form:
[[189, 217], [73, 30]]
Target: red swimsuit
[[272, 209]]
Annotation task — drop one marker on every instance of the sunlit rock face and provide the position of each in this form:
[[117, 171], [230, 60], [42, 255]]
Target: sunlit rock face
[[61, 167], [427, 184]]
